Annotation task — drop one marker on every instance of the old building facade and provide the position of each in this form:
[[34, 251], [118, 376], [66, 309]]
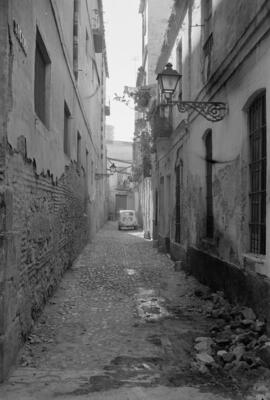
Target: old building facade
[[211, 183], [53, 70], [154, 16]]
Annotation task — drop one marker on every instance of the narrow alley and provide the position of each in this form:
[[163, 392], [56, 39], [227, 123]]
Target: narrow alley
[[151, 115], [122, 326]]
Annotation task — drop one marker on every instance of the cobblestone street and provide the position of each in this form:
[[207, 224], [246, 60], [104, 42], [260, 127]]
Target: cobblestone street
[[121, 326]]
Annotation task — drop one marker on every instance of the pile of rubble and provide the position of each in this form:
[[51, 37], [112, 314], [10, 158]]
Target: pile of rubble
[[237, 340]]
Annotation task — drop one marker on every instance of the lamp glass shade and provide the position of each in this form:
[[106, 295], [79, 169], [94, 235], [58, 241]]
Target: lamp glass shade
[[168, 79], [113, 168]]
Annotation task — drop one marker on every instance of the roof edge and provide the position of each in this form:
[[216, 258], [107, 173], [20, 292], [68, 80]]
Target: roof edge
[[142, 6], [100, 4]]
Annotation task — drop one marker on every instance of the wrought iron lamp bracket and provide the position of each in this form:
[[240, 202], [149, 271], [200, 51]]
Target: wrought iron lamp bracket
[[211, 110], [100, 175]]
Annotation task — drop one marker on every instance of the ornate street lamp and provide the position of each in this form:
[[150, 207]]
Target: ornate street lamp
[[168, 80], [112, 168]]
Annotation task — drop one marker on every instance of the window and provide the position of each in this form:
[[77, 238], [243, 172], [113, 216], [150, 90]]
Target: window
[[79, 149], [178, 188], [257, 195], [76, 5], [87, 44], [86, 167], [177, 204], [41, 91], [168, 202], [209, 185], [93, 71], [179, 66], [161, 203], [92, 172], [67, 119], [156, 210]]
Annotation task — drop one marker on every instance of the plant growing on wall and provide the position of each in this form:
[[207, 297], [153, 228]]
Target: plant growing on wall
[[140, 126], [138, 96], [144, 140]]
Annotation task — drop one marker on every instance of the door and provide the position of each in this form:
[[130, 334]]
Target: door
[[120, 202]]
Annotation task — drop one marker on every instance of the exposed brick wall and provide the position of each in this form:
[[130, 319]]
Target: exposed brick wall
[[46, 226]]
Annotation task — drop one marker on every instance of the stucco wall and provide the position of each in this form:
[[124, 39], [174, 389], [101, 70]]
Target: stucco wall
[[239, 70], [45, 144]]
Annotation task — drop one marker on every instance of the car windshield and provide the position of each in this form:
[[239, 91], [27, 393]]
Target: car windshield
[[127, 214]]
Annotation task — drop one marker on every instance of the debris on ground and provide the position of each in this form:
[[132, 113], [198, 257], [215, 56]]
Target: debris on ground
[[237, 339]]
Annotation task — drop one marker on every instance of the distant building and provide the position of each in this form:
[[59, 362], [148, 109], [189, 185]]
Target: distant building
[[121, 195], [109, 132], [211, 183], [53, 69]]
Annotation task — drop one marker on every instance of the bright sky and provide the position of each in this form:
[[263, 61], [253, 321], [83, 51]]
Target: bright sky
[[123, 42]]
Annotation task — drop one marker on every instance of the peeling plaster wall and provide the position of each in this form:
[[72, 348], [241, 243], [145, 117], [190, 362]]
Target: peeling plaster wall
[[45, 144], [231, 172], [240, 69]]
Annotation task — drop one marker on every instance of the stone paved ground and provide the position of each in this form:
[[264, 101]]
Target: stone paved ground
[[121, 326]]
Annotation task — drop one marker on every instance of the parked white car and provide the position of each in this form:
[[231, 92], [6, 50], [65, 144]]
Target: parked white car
[[127, 219]]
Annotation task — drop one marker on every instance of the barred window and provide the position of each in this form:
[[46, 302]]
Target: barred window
[[156, 210], [177, 204], [257, 140], [67, 119], [161, 202], [79, 141], [178, 188]]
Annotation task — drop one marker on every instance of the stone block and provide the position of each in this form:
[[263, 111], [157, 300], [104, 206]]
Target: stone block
[[225, 356], [238, 351], [248, 313], [205, 358], [204, 346], [264, 353]]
